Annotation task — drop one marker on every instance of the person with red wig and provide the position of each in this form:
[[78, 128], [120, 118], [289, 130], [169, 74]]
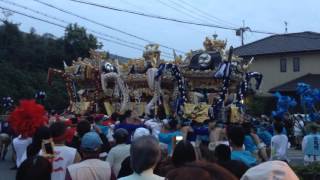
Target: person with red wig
[[25, 120]]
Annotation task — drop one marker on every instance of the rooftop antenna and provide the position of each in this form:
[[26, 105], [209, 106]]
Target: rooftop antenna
[[286, 26]]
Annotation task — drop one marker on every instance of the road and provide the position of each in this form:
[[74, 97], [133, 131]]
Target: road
[[296, 158]]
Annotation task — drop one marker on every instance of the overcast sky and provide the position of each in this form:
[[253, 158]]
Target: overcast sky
[[264, 15]]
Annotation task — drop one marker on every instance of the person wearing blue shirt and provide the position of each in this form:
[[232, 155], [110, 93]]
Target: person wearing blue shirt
[[311, 146], [128, 123], [265, 136], [236, 136], [168, 133]]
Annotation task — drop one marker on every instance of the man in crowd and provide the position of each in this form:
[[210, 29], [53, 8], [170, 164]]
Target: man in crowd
[[236, 136], [130, 122], [279, 143], [145, 154], [311, 146], [63, 155], [119, 152], [91, 167]]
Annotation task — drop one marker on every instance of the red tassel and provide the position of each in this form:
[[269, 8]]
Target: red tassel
[[27, 117]]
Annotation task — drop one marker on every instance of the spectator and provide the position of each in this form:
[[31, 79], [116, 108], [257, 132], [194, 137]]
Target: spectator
[[64, 155], [200, 170], [129, 122], [264, 134], [298, 130], [99, 118], [33, 149], [223, 156], [253, 143], [279, 144], [112, 119], [168, 133], [91, 167], [270, 170], [20, 145], [154, 124], [236, 138], [119, 152], [311, 145], [5, 137], [126, 168], [182, 154], [82, 128], [145, 154], [248, 140], [36, 167]]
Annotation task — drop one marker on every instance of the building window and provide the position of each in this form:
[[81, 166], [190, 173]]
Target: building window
[[296, 64], [283, 65]]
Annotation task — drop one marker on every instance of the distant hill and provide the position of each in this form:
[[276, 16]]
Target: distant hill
[[120, 58]]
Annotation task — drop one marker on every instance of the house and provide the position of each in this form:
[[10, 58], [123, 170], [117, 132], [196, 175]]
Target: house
[[284, 58]]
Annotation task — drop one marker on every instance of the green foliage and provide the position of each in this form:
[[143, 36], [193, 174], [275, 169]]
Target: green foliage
[[77, 42], [258, 105], [26, 57], [308, 172]]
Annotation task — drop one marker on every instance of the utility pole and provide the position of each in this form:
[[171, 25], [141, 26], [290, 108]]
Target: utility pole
[[240, 32]]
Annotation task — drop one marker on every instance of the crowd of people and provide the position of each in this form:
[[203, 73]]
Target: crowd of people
[[128, 147]]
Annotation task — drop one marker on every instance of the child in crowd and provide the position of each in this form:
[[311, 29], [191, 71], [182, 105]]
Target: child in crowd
[[279, 143]]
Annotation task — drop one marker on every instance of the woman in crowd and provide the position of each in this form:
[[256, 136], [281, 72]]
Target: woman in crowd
[[183, 153]]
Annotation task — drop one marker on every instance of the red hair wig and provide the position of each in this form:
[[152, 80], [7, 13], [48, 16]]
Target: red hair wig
[[27, 117]]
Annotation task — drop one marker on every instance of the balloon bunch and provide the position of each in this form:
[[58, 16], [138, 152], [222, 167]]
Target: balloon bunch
[[41, 95], [284, 103], [308, 99], [7, 102], [175, 72]]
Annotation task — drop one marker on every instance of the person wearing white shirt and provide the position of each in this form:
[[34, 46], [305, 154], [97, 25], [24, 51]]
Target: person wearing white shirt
[[119, 152], [20, 145], [279, 144]]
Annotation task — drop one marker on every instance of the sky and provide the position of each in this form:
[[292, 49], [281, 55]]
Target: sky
[[262, 15]]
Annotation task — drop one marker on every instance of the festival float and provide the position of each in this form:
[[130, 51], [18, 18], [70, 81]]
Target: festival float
[[206, 81]]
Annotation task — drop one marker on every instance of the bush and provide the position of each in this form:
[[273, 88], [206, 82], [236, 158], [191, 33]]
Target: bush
[[310, 172]]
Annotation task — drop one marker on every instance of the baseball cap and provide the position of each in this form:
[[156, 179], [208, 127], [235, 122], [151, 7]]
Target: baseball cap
[[270, 170], [140, 132], [91, 141]]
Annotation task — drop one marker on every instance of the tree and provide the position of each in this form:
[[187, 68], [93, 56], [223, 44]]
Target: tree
[[77, 42]]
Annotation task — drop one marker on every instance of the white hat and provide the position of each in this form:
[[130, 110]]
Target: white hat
[[269, 171], [140, 132]]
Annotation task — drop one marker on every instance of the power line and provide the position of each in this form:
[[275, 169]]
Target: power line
[[153, 16], [166, 18], [175, 20], [105, 26], [61, 26], [91, 30], [200, 11], [192, 11], [179, 10]]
